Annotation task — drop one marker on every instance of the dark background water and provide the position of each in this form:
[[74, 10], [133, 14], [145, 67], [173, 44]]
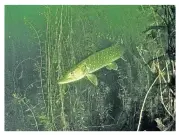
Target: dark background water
[[94, 28]]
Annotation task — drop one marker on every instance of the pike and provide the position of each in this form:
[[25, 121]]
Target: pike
[[96, 61]]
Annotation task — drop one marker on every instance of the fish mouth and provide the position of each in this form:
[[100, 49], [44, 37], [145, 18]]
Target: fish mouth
[[63, 81], [66, 80]]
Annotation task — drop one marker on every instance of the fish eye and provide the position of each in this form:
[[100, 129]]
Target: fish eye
[[71, 73]]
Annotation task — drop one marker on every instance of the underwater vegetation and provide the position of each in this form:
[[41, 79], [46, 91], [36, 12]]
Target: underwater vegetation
[[49, 49]]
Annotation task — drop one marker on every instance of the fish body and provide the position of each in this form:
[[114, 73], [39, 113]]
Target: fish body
[[96, 61]]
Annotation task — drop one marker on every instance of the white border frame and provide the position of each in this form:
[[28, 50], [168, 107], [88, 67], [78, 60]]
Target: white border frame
[[75, 2]]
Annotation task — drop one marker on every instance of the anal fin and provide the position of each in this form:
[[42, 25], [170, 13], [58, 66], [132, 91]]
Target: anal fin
[[111, 66]]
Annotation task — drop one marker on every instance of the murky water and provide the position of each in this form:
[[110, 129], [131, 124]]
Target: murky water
[[43, 42]]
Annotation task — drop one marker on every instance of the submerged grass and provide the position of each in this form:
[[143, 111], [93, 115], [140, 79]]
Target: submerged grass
[[72, 33]]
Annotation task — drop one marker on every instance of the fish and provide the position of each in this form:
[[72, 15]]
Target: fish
[[86, 68]]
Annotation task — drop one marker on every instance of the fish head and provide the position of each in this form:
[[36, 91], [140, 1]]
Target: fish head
[[73, 75]]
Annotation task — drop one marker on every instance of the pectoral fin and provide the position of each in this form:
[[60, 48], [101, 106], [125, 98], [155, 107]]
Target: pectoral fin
[[93, 79], [112, 65]]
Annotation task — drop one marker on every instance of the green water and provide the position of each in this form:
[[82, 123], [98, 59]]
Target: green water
[[43, 42]]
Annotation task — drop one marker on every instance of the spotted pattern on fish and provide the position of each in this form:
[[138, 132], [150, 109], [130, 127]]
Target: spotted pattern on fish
[[93, 63], [102, 58]]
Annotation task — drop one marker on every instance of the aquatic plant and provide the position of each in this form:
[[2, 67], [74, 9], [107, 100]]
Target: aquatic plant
[[69, 35]]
